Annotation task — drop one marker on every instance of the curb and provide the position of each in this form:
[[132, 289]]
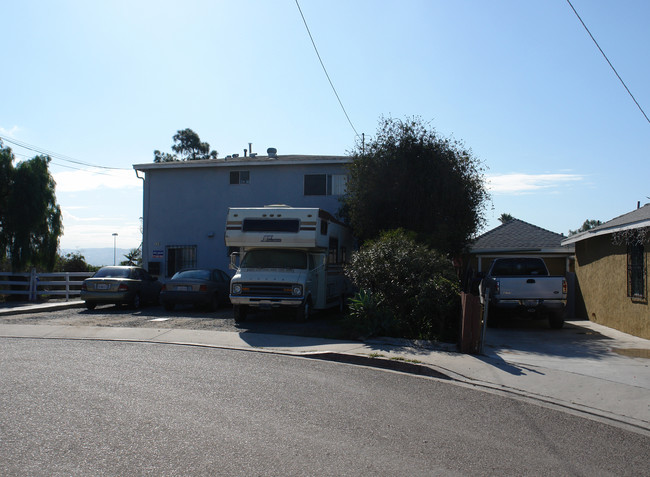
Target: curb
[[40, 308]]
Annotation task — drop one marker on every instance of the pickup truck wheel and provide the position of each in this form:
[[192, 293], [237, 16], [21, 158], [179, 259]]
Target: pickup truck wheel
[[239, 312], [493, 319], [556, 322]]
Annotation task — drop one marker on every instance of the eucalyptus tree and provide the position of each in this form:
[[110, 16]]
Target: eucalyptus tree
[[30, 218]]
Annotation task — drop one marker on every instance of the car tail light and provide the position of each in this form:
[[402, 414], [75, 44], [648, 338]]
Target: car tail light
[[84, 286], [203, 288], [497, 287], [564, 287], [123, 288], [164, 288]]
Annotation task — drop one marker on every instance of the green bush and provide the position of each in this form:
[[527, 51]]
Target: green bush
[[406, 288]]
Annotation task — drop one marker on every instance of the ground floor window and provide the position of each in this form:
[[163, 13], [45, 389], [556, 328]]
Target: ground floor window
[[636, 271], [180, 257]]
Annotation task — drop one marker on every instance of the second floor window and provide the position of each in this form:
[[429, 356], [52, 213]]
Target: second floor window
[[240, 177], [325, 184]]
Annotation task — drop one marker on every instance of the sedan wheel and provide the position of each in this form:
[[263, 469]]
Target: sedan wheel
[[214, 303], [136, 303], [90, 305]]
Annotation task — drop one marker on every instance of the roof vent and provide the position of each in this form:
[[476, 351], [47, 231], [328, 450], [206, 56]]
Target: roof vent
[[235, 156], [272, 152]]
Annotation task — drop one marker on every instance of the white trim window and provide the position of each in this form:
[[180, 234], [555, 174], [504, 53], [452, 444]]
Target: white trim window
[[240, 177], [325, 184]]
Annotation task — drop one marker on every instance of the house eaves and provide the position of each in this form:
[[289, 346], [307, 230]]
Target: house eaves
[[637, 219], [605, 231], [247, 161]]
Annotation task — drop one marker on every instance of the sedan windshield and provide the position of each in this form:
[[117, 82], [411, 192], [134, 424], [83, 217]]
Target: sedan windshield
[[194, 274], [275, 259]]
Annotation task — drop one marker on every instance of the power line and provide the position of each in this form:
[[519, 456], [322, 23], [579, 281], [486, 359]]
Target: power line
[[55, 155], [325, 69], [610, 63], [63, 165]]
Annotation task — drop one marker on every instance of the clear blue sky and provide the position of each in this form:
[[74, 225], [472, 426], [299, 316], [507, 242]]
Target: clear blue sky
[[519, 82]]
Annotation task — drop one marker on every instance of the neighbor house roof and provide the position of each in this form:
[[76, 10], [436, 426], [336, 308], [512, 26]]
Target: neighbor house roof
[[519, 236], [636, 219]]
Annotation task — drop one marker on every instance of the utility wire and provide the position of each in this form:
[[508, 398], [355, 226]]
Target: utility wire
[[609, 63], [325, 69], [55, 155]]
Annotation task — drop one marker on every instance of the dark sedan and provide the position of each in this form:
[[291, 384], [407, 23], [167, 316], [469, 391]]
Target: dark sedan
[[199, 287], [120, 285]]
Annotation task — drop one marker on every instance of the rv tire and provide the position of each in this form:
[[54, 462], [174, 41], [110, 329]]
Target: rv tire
[[239, 312], [304, 311]]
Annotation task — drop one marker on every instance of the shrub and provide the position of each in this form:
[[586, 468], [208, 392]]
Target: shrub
[[407, 288]]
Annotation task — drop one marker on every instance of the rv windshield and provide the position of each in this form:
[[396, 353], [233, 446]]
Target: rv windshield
[[275, 259]]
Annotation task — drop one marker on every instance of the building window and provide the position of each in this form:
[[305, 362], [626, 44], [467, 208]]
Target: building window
[[240, 177], [180, 257], [636, 272], [325, 184]]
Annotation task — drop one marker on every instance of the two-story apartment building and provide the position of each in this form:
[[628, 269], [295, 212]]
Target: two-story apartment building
[[185, 204]]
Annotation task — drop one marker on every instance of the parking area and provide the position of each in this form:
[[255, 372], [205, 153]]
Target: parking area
[[323, 325]]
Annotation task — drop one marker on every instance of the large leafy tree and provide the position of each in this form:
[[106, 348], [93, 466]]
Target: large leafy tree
[[410, 177], [188, 145], [30, 218]]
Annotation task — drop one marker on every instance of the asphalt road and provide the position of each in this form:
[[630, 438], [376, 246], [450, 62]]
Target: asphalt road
[[117, 408]]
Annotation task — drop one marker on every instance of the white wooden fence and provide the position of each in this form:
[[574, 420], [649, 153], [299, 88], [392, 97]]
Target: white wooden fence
[[42, 285]]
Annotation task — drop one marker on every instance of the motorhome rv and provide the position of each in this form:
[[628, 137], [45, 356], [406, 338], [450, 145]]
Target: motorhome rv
[[287, 257]]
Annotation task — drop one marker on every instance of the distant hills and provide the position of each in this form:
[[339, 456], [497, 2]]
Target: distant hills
[[98, 256]]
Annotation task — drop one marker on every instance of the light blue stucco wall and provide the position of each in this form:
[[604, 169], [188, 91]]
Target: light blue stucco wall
[[187, 206]]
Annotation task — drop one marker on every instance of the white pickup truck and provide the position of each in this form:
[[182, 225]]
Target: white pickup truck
[[523, 285]]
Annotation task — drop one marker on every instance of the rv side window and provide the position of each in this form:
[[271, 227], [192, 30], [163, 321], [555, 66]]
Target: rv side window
[[271, 225]]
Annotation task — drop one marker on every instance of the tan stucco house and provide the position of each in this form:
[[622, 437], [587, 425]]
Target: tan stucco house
[[612, 272]]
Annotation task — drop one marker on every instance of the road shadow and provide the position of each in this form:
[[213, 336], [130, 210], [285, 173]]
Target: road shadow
[[324, 324]]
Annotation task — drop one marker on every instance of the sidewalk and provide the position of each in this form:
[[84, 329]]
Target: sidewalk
[[585, 368]]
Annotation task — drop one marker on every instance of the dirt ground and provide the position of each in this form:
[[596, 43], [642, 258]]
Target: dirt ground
[[323, 324]]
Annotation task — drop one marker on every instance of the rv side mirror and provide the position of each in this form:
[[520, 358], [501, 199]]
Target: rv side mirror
[[234, 259]]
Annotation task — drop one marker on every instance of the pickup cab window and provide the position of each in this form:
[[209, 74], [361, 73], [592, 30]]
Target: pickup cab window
[[518, 267]]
